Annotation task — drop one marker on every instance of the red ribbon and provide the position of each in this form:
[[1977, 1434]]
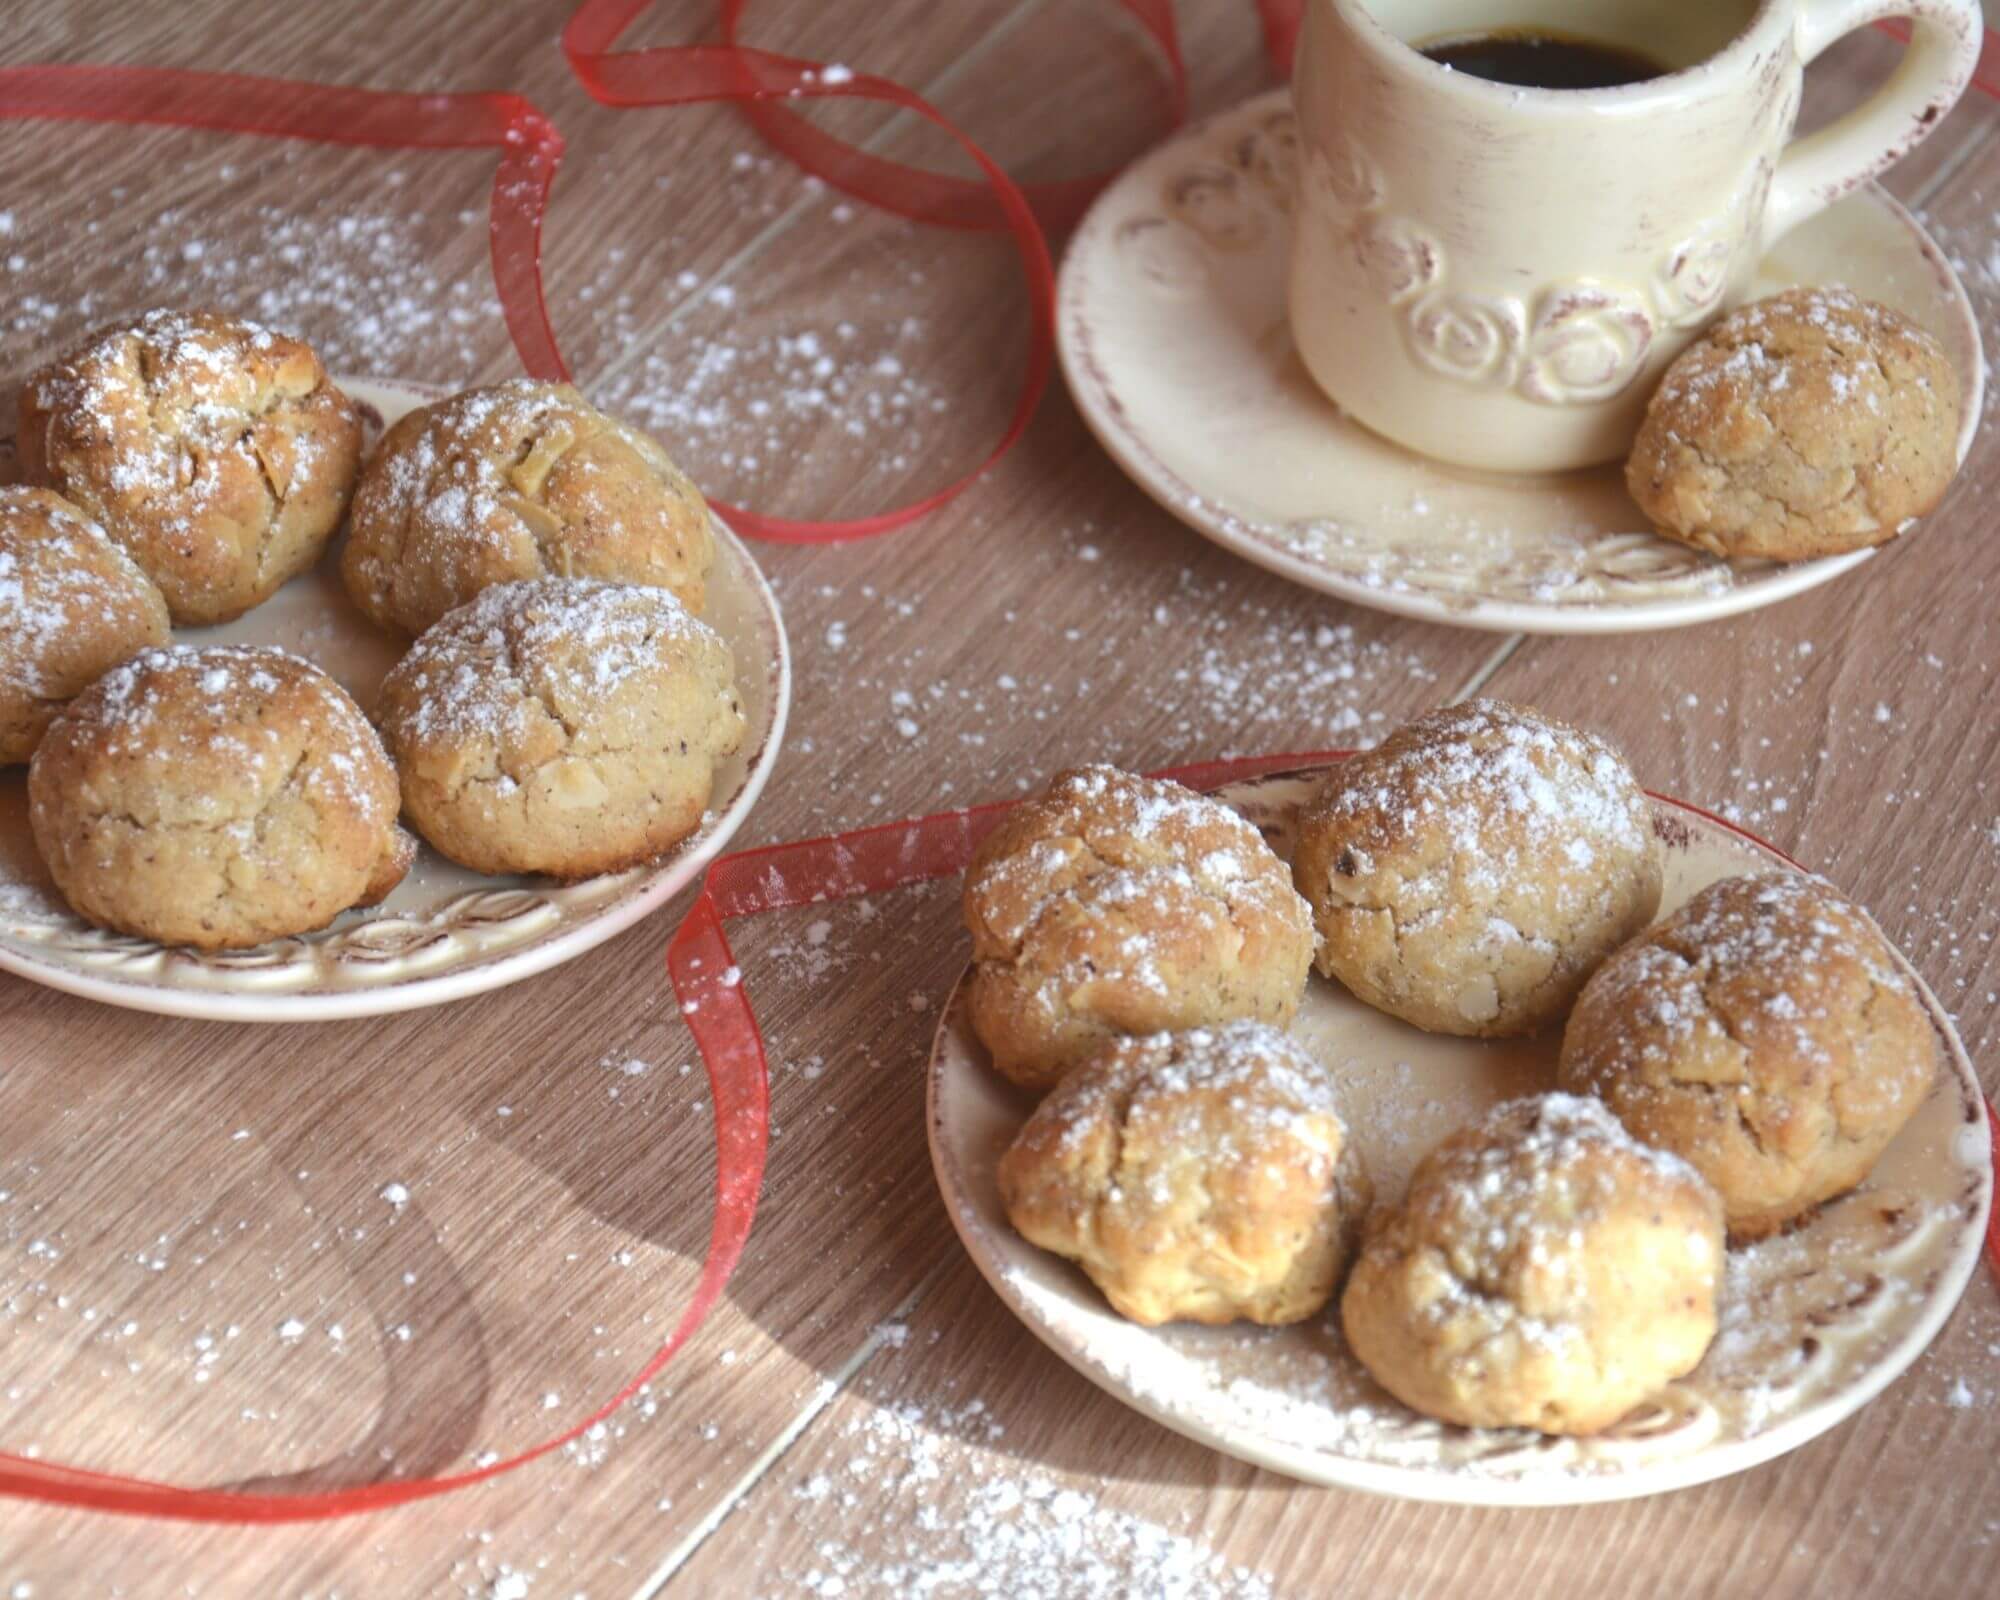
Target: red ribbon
[[913, 191], [756, 79], [529, 145]]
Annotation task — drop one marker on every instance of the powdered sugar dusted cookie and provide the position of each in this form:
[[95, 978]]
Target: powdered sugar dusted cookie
[[215, 451], [557, 727], [1118, 904], [514, 481], [217, 798], [1545, 1270], [72, 606], [1203, 1176], [1469, 872], [1764, 1031], [1808, 424]]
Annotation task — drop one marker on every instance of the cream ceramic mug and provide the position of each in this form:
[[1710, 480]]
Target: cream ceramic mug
[[1495, 276]]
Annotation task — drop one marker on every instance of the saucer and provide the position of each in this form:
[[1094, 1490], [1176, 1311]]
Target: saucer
[[1172, 329], [446, 932], [1814, 1323]]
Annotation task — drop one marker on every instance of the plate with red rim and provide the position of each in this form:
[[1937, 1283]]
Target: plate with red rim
[[446, 932], [1815, 1322], [1172, 331]]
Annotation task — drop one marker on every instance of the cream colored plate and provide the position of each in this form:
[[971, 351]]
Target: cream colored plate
[[1814, 1323], [1172, 330], [446, 932]]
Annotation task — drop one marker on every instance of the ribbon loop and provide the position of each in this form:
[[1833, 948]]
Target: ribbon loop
[[678, 75]]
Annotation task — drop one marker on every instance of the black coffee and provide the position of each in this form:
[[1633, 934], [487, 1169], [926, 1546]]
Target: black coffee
[[1538, 60]]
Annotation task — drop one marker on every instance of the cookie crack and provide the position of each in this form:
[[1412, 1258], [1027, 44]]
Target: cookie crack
[[1118, 1123]]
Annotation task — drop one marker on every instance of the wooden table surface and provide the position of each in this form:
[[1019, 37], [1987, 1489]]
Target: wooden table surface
[[860, 1417]]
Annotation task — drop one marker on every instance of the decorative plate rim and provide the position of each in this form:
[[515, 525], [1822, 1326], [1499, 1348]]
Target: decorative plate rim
[[651, 886], [1702, 1464], [1106, 417]]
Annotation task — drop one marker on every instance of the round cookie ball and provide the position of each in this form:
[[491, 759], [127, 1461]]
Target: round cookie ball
[[217, 798], [1808, 424], [1204, 1176], [514, 481], [1766, 1033], [563, 728], [1545, 1270], [1468, 873], [215, 451], [1116, 904], [72, 606]]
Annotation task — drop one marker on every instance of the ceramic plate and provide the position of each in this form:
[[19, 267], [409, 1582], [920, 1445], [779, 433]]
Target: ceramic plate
[[1172, 329], [1814, 1323], [446, 932]]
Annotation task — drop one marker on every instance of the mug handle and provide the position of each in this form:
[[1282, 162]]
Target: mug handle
[[1943, 53]]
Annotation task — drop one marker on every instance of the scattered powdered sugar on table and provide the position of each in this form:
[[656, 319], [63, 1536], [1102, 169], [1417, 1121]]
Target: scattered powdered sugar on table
[[738, 402], [359, 284], [944, 1511]]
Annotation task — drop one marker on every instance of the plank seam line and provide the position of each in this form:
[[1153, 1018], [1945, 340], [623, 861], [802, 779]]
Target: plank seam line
[[1483, 673], [823, 1395]]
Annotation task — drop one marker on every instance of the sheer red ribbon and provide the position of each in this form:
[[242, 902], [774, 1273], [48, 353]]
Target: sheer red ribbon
[[754, 79], [223, 102]]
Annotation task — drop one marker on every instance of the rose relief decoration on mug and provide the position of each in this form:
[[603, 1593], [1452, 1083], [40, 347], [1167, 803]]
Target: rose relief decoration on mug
[[1217, 203], [1695, 274], [1398, 257], [1575, 342], [1348, 181], [1473, 338], [1586, 343], [1269, 155]]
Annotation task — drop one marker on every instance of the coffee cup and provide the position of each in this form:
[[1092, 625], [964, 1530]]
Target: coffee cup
[[1495, 274]]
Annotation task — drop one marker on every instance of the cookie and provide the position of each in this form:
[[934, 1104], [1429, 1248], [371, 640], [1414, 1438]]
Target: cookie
[[563, 728], [72, 606], [1204, 1176], [216, 452], [1766, 1033], [515, 481], [1468, 873], [1808, 424], [216, 798], [1116, 904], [1545, 1270]]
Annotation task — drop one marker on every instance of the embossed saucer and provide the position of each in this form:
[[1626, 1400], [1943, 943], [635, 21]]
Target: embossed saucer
[[1173, 335], [446, 932], [1814, 1323]]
